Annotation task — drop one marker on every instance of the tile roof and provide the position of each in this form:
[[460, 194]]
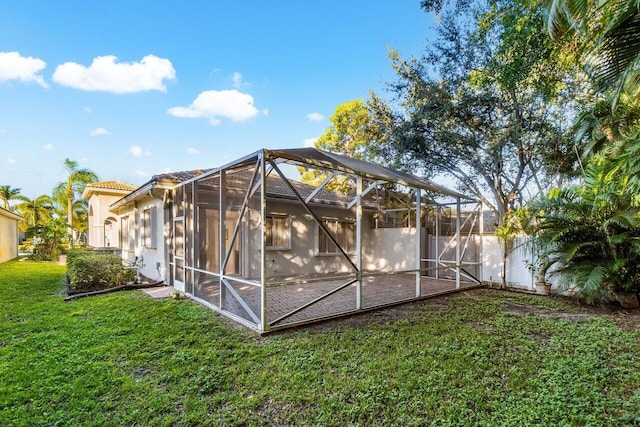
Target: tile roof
[[178, 177], [277, 188], [113, 185]]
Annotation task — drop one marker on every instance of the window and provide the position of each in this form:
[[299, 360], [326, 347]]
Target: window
[[343, 231], [126, 238], [278, 232], [148, 228]]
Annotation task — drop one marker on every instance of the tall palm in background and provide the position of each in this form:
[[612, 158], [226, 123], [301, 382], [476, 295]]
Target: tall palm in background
[[34, 211], [68, 190], [80, 212], [7, 194]]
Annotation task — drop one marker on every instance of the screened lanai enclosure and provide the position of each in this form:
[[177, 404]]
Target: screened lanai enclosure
[[286, 237]]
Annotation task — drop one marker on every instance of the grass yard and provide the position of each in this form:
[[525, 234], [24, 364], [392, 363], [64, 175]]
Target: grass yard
[[476, 358]]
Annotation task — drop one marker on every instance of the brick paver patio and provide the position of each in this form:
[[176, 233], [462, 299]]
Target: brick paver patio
[[285, 299]]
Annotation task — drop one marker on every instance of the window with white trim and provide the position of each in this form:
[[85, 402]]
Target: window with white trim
[[344, 232], [148, 228], [278, 232]]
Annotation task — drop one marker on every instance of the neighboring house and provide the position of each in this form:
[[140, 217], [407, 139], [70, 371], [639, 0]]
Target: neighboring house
[[103, 226], [8, 235]]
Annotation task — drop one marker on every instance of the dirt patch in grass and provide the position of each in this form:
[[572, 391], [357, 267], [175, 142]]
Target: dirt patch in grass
[[627, 319]]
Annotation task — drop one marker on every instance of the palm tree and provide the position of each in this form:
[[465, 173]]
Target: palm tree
[[80, 216], [7, 193], [588, 234], [34, 211], [76, 181], [610, 130], [608, 35]]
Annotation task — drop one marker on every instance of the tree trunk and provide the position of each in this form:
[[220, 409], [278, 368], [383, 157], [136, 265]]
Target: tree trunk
[[70, 216], [505, 256]]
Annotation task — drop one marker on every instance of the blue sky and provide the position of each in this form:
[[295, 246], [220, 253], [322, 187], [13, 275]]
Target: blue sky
[[135, 88]]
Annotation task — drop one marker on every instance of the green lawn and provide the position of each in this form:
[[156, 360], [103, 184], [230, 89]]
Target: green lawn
[[478, 358]]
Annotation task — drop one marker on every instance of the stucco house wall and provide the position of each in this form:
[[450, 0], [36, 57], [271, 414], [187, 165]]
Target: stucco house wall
[[382, 249], [8, 235], [103, 225], [141, 224], [150, 248], [136, 227]]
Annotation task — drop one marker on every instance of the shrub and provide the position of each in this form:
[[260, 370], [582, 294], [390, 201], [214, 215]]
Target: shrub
[[89, 270], [589, 234], [48, 238]]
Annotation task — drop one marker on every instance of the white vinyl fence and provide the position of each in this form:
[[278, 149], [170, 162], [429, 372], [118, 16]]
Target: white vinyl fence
[[518, 274]]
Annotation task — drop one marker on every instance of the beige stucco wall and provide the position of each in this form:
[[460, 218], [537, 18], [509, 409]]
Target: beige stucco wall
[[153, 258], [99, 212], [382, 249], [8, 236]]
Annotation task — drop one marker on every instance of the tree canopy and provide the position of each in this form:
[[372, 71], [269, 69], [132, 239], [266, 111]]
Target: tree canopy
[[490, 103], [34, 211], [7, 193], [351, 132]]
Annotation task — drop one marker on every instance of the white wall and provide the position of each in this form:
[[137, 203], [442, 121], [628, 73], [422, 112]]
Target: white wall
[[518, 275], [153, 258], [389, 249], [8, 238], [301, 258], [99, 207], [446, 251]]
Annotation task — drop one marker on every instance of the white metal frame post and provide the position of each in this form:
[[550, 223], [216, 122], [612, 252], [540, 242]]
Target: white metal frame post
[[418, 241], [264, 325], [458, 243], [221, 238], [437, 245], [359, 241], [195, 239], [481, 249]]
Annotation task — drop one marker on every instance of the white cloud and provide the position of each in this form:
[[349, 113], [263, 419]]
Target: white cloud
[[105, 74], [315, 117], [192, 150], [142, 174], [99, 131], [216, 104], [238, 83], [13, 66], [309, 142], [11, 161], [138, 151], [88, 110], [2, 130], [48, 147], [167, 170]]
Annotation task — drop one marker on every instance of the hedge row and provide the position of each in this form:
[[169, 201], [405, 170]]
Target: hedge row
[[91, 271]]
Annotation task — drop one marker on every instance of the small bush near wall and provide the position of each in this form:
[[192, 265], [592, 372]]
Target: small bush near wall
[[90, 271]]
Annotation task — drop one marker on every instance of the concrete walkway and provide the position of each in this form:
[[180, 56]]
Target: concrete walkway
[[157, 293]]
